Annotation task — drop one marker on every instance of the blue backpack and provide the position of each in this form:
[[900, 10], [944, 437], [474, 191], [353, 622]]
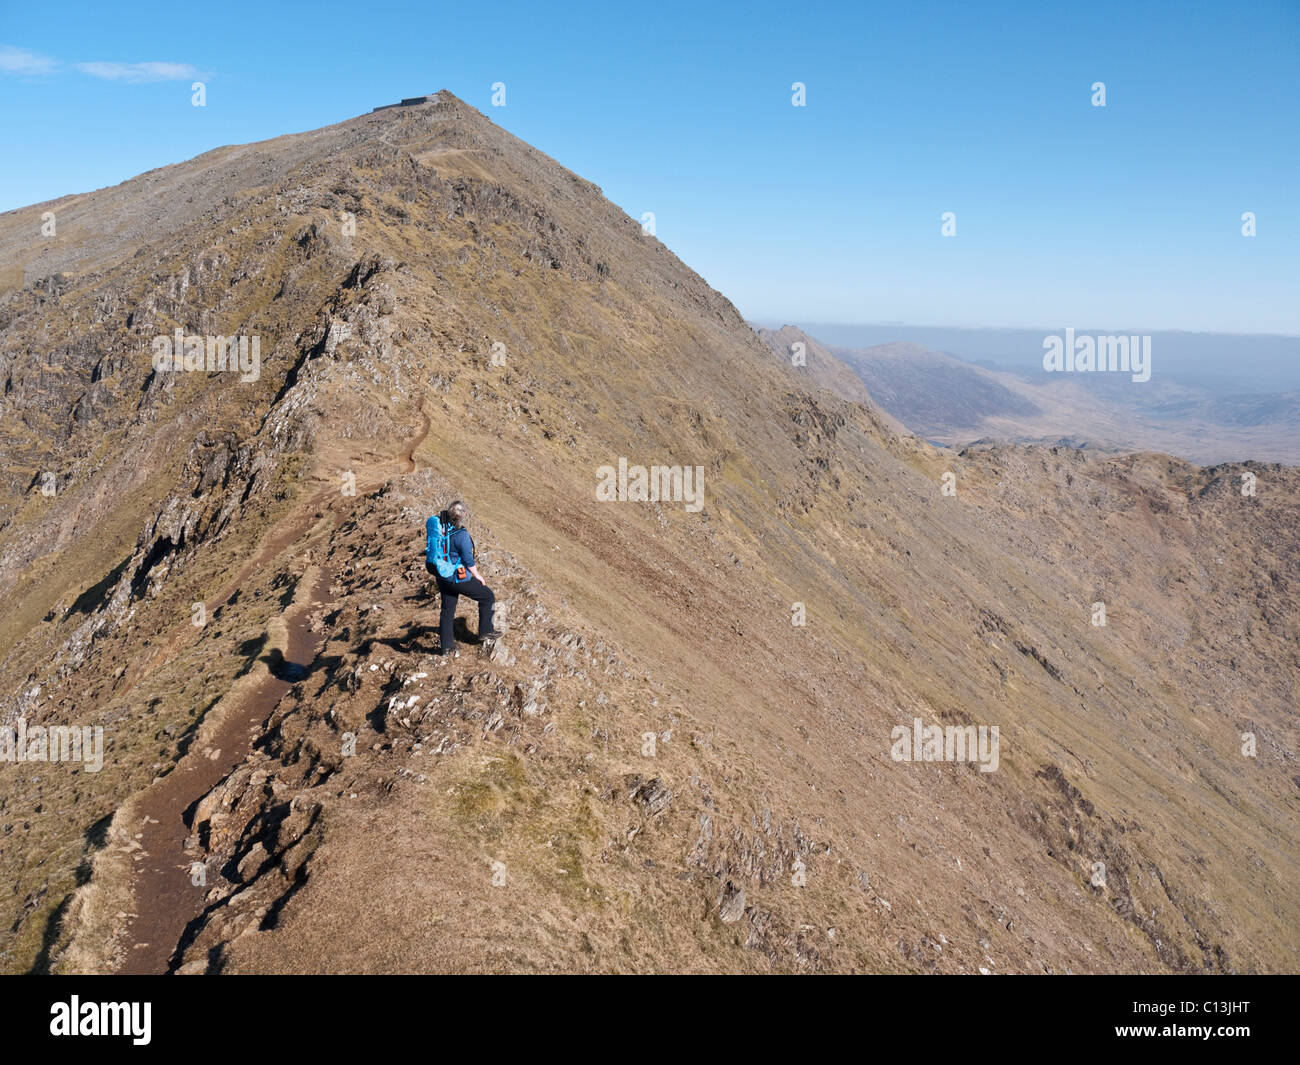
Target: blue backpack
[[437, 551]]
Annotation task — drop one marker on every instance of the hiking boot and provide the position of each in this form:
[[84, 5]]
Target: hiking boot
[[491, 634]]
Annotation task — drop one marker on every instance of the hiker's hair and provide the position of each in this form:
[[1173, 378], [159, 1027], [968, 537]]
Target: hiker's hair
[[456, 512]]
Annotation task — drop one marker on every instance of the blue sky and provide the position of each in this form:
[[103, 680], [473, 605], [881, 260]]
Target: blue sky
[[1121, 217]]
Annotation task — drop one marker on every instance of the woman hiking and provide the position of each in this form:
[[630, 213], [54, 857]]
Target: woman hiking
[[449, 556]]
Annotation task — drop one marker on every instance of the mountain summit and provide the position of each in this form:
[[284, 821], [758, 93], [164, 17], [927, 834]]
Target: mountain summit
[[704, 742]]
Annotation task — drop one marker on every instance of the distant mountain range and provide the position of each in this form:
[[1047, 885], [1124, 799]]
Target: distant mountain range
[[954, 401], [1231, 362]]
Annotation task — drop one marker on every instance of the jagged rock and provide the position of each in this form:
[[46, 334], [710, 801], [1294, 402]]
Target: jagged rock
[[652, 794], [252, 862], [731, 903]]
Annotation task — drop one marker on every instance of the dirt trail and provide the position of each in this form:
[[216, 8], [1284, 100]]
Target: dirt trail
[[417, 440], [166, 899]]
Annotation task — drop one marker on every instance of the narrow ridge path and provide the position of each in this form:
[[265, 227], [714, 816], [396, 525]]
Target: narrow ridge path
[[165, 900]]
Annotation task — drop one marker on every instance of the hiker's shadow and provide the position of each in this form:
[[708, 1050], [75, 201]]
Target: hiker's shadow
[[282, 669], [291, 672]]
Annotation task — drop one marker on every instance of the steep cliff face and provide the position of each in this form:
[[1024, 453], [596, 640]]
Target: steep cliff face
[[679, 756]]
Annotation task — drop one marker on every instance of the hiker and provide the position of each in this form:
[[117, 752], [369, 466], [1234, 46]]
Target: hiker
[[449, 556]]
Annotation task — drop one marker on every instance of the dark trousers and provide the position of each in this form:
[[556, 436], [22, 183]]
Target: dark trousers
[[451, 592]]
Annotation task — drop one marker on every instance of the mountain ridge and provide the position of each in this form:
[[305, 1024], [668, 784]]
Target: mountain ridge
[[770, 830]]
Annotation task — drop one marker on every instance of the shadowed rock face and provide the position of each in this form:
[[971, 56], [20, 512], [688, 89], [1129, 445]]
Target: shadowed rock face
[[654, 770]]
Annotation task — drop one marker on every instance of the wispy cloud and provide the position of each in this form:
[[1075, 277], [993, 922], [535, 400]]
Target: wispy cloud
[[138, 72], [20, 61]]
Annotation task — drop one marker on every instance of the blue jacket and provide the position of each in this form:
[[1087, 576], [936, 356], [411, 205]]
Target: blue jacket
[[461, 548]]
